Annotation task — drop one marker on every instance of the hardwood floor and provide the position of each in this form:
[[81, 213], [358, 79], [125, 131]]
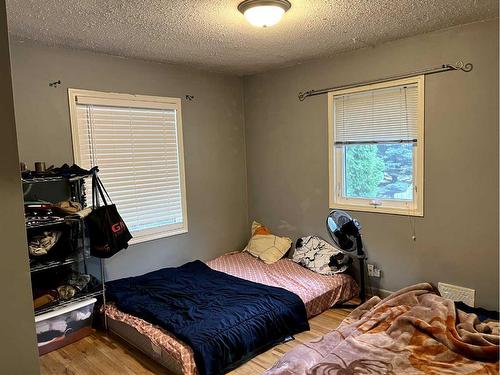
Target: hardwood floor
[[105, 354], [320, 325]]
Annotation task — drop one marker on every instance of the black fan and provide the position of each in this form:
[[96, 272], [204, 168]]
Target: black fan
[[344, 231]]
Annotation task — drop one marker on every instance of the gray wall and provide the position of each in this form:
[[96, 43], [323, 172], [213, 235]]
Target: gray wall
[[457, 240], [18, 354], [213, 127]]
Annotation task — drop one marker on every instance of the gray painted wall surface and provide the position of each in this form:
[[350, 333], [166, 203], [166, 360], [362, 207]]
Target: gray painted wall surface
[[18, 353], [457, 240], [213, 128]]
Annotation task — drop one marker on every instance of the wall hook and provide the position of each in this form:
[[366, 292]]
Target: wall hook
[[55, 83]]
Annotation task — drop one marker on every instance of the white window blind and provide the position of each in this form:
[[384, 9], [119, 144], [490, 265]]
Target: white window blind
[[137, 146], [383, 115], [376, 142]]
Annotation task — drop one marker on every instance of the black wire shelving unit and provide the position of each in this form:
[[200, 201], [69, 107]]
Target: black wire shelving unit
[[78, 257]]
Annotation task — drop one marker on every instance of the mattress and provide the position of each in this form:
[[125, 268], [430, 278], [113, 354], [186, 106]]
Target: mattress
[[153, 341], [318, 292], [226, 320]]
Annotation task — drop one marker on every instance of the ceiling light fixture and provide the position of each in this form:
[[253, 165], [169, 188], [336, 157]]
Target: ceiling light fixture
[[264, 13]]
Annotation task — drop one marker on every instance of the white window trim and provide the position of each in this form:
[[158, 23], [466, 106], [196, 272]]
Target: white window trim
[[336, 200], [146, 101]]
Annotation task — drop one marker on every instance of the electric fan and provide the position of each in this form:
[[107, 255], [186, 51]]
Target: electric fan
[[344, 231]]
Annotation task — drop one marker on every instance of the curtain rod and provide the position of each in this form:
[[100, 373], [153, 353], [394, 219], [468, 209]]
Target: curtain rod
[[443, 68]]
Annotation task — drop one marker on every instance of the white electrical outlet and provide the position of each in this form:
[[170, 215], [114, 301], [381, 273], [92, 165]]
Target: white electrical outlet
[[373, 271], [370, 268], [457, 293]]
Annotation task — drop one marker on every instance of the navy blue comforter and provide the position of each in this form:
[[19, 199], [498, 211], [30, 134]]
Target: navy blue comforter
[[226, 320]]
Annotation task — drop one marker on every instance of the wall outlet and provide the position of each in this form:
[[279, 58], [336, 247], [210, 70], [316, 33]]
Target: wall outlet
[[457, 293], [373, 271], [370, 268]]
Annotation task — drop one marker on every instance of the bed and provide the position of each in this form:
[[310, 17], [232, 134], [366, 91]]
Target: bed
[[317, 292], [413, 331]]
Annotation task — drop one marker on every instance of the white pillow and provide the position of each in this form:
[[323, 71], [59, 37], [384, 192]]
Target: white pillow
[[319, 256]]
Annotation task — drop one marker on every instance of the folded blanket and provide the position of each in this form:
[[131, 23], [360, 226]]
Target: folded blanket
[[413, 331]]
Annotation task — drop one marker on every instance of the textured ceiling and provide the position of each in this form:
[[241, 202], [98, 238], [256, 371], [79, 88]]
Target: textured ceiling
[[213, 35]]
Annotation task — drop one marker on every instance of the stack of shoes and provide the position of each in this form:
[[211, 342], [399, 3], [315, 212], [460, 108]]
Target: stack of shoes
[[36, 213], [66, 292], [67, 289], [74, 283], [41, 244], [78, 281]]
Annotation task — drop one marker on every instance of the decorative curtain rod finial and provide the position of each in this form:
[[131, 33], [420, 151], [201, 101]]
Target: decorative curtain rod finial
[[304, 95], [464, 67], [459, 66]]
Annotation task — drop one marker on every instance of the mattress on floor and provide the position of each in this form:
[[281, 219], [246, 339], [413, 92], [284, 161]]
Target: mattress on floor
[[318, 292], [226, 320]]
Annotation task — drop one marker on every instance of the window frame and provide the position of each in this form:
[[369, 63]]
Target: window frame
[[336, 158], [144, 101]]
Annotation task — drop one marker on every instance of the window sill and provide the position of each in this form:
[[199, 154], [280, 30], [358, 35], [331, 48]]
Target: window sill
[[380, 210], [156, 236]]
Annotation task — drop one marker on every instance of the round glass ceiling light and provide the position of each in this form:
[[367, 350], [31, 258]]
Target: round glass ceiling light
[[264, 13]]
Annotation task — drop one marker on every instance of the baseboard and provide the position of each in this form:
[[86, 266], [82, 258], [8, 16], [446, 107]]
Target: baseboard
[[382, 293]]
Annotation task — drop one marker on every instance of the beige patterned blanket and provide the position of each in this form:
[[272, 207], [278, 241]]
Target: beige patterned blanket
[[413, 331]]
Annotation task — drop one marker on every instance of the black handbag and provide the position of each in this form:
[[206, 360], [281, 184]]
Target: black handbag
[[107, 230]]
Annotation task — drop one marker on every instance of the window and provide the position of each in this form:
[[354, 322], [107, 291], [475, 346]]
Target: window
[[137, 143], [376, 143]]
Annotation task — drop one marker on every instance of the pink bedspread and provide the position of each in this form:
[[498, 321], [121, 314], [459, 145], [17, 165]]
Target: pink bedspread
[[319, 292]]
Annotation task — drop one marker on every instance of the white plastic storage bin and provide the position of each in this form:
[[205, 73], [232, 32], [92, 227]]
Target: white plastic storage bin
[[64, 326]]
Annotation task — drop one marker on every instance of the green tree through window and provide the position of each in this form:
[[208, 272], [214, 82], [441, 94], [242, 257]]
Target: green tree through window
[[364, 170]]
